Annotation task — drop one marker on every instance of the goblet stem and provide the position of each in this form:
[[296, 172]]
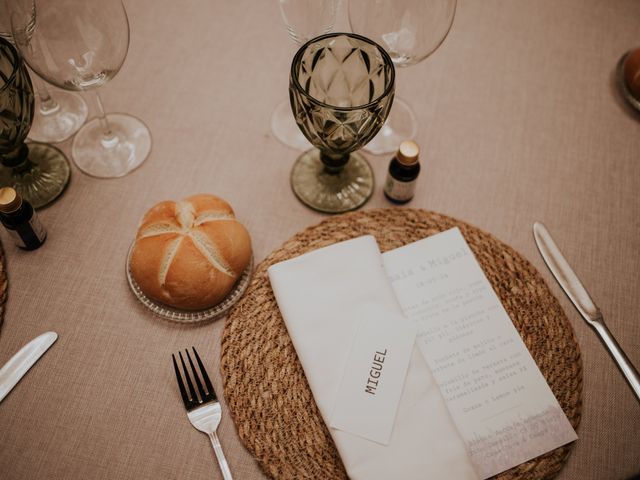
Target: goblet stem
[[48, 105], [17, 159], [333, 162], [59, 115], [109, 139]]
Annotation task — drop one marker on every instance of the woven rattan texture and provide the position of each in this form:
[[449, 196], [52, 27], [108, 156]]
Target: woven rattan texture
[[4, 284], [265, 387]]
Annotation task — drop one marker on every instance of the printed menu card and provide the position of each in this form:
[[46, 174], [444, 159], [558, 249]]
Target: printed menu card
[[496, 395]]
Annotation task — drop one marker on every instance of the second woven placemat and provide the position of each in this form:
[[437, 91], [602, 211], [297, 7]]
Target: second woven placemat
[[4, 284], [264, 384]]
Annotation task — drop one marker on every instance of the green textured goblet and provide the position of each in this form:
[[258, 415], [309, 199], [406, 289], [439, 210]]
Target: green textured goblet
[[37, 171], [341, 90]]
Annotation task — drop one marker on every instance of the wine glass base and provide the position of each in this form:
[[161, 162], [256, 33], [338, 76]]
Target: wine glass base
[[331, 192], [285, 129], [57, 125], [45, 180], [401, 125], [115, 156]]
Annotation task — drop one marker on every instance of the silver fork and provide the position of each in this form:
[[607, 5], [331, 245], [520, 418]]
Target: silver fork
[[204, 413]]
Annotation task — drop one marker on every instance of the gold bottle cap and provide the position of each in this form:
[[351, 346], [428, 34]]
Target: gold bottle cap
[[10, 201], [408, 152]]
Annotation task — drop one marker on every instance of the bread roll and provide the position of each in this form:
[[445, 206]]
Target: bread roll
[[189, 254]]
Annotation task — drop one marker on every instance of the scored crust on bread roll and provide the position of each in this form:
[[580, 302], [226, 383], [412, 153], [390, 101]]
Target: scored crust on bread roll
[[189, 254]]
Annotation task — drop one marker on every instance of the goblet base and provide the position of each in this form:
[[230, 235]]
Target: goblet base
[[401, 125], [42, 180], [332, 191], [57, 124], [285, 129], [113, 155]]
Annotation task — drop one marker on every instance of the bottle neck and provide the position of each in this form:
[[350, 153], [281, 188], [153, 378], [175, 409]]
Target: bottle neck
[[21, 214], [406, 167], [402, 172]]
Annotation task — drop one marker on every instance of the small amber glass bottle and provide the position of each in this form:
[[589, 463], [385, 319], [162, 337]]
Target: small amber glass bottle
[[404, 169], [20, 220]]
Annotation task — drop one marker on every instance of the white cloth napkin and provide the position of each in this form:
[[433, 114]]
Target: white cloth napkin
[[316, 293]]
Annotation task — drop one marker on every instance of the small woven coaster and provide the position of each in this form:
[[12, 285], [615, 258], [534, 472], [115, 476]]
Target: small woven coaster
[[264, 384], [4, 284]]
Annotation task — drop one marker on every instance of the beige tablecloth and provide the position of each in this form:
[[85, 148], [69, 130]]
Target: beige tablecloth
[[519, 120]]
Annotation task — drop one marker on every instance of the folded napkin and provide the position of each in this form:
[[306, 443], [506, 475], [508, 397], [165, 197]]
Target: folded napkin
[[317, 294]]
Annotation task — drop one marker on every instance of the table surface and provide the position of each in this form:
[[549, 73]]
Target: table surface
[[520, 120]]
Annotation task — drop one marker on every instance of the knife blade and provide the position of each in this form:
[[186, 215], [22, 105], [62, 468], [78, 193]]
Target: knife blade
[[583, 302], [21, 362]]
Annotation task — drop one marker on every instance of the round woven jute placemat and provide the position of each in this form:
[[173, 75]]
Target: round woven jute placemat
[[264, 384]]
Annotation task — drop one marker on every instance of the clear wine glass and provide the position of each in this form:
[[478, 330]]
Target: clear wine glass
[[341, 90], [304, 19], [410, 30], [58, 114], [37, 171], [80, 45]]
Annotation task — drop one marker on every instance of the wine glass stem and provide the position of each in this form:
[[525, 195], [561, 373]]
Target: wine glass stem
[[109, 139], [47, 104]]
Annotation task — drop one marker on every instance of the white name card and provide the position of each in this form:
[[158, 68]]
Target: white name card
[[374, 374], [497, 396]]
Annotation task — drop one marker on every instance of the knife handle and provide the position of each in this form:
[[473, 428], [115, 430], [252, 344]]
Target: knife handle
[[626, 367]]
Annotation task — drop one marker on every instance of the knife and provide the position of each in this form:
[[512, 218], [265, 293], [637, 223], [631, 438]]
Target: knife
[[21, 362], [581, 299]]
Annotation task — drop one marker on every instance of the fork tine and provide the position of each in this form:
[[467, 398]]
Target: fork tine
[[205, 377], [183, 392], [194, 396], [203, 394]]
